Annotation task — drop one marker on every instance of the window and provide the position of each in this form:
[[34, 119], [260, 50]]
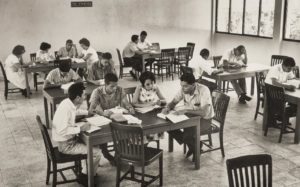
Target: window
[[292, 20], [245, 17]]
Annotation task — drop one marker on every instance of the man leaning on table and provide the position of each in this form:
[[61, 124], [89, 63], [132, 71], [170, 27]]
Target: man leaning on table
[[197, 100], [237, 57], [107, 97], [69, 51], [65, 130]]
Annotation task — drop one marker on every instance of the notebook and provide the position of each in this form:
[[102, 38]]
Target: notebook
[[294, 82]]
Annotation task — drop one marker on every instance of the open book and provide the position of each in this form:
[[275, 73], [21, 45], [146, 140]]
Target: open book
[[92, 127], [146, 109], [173, 117], [293, 82], [98, 120]]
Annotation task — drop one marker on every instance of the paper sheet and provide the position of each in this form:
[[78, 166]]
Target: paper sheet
[[98, 121], [294, 82], [78, 60], [146, 109], [132, 120], [93, 128], [66, 87], [173, 117]]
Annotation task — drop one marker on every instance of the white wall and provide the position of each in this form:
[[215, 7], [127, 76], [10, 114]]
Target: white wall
[[108, 24]]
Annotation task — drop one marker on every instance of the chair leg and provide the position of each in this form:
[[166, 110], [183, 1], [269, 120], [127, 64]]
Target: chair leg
[[184, 148], [161, 170], [157, 144], [48, 170], [54, 175], [209, 139], [132, 172], [222, 144], [118, 175], [227, 87], [143, 177], [6, 91], [257, 108]]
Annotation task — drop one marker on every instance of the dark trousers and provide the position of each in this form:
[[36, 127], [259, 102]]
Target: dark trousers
[[211, 85], [135, 62], [242, 83]]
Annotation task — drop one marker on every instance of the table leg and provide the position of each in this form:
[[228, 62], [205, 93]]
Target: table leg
[[197, 146], [90, 164], [46, 112], [27, 83], [252, 85], [297, 133], [219, 84], [143, 64], [265, 116], [170, 144]]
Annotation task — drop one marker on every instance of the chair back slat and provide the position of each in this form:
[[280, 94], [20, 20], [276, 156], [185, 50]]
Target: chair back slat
[[128, 142], [129, 93], [46, 138], [183, 54], [275, 97], [155, 46], [296, 71], [192, 47], [256, 169], [32, 57], [217, 60], [120, 58], [220, 104], [167, 56], [277, 59]]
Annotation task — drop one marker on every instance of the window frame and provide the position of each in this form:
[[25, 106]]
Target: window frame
[[243, 21], [284, 24]]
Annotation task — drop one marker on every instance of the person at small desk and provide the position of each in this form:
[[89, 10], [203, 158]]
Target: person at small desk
[[144, 44], [43, 54], [197, 100], [132, 55], [107, 97], [202, 64], [279, 74], [237, 57], [88, 54], [65, 130], [69, 50], [13, 68], [101, 68], [61, 75]]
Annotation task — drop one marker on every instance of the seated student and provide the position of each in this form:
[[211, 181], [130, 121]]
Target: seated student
[[69, 50], [144, 44], [237, 57], [101, 68], [13, 68], [89, 54], [132, 55], [148, 94], [200, 65], [43, 54], [279, 74], [197, 100], [65, 130], [61, 75], [107, 97]]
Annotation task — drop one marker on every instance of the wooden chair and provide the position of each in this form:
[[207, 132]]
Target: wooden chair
[[296, 71], [277, 110], [54, 157], [122, 66], [185, 69], [130, 150], [277, 59], [182, 58], [225, 84], [250, 170], [8, 90], [217, 60], [192, 47], [260, 92], [165, 62]]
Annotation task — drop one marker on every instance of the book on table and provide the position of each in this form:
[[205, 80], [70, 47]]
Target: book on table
[[174, 118], [98, 120], [146, 109], [92, 128]]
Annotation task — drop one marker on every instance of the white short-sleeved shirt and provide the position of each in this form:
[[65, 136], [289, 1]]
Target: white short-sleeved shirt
[[200, 65], [55, 77], [231, 57], [130, 49], [278, 73], [197, 101], [143, 45], [94, 58], [43, 56]]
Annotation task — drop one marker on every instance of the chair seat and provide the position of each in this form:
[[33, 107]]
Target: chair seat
[[151, 154], [62, 158]]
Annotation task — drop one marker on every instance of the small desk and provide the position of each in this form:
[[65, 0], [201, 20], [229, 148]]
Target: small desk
[[151, 124], [55, 96], [291, 97], [245, 72], [44, 68]]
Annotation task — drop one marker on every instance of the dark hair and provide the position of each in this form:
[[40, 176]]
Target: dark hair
[[240, 47], [18, 50], [64, 65], [289, 62], [134, 38], [75, 90], [110, 77], [85, 42], [188, 77], [69, 41], [145, 76], [204, 52], [106, 56], [144, 33], [44, 46]]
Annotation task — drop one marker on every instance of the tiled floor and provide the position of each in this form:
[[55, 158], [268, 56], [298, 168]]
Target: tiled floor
[[23, 161]]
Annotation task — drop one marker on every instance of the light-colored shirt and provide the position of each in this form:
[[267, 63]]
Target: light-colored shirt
[[200, 99], [200, 65], [98, 70], [64, 53], [94, 56], [143, 45], [64, 126], [44, 57], [55, 77], [14, 74], [278, 73], [231, 57], [147, 96], [129, 50]]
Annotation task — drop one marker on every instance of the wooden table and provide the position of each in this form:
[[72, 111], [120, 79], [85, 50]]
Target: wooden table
[[154, 54], [151, 124], [291, 97], [55, 96], [44, 68], [245, 72]]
